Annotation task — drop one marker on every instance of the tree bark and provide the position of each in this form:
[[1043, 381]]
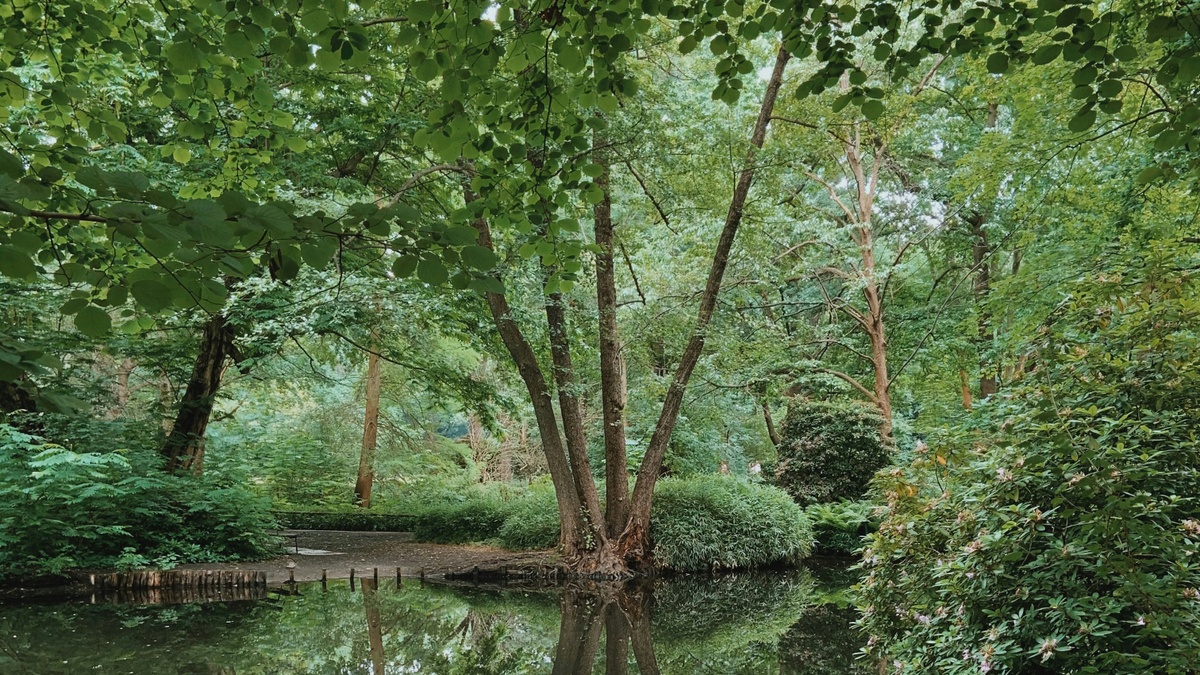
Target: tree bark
[[634, 543], [578, 634], [985, 337], [571, 539], [572, 414], [772, 432], [612, 376], [183, 448], [366, 458]]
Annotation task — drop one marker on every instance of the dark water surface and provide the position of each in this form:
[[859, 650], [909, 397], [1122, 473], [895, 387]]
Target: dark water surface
[[783, 622]]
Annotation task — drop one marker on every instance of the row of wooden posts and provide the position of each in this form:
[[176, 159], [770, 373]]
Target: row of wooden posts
[[181, 586]]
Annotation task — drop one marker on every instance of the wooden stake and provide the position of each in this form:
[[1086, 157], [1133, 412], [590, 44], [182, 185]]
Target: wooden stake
[[398, 582], [324, 580], [351, 579]]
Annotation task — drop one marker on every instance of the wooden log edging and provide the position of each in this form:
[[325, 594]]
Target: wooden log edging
[[179, 579]]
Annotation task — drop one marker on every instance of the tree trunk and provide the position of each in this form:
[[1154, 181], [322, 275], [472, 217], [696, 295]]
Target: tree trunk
[[366, 457], [572, 414], [571, 532], [183, 448], [612, 379], [634, 544], [616, 641], [578, 634], [121, 388], [772, 432], [982, 287]]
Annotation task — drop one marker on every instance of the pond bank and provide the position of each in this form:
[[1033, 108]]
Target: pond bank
[[310, 553]]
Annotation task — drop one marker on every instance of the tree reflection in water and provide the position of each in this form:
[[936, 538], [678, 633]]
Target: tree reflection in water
[[748, 623]]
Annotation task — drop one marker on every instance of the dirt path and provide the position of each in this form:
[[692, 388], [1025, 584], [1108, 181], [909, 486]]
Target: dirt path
[[338, 552]]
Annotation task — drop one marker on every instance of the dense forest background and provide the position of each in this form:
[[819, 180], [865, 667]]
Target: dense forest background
[[447, 262]]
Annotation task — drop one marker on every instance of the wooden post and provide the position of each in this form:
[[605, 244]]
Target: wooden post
[[421, 573], [376, 576], [291, 576], [398, 582], [351, 579], [324, 579]]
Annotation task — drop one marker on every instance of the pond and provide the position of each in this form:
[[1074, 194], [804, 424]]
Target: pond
[[779, 622]]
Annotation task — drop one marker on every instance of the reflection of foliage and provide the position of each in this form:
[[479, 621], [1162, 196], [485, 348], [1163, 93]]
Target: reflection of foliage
[[822, 642], [699, 624], [720, 619]]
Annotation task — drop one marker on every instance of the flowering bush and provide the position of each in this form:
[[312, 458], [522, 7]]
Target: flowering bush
[[1065, 538]]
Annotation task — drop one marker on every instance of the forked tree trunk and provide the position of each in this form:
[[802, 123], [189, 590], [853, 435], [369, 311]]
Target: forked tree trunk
[[183, 448], [366, 458], [634, 544]]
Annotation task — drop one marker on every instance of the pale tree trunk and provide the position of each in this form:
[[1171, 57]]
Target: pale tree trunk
[[634, 542], [366, 458], [121, 388], [183, 448], [873, 322], [612, 375]]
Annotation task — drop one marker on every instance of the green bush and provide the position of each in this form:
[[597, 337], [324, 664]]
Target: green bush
[[356, 521], [1065, 536], [839, 528], [830, 450], [724, 522], [62, 509], [532, 521], [472, 520]]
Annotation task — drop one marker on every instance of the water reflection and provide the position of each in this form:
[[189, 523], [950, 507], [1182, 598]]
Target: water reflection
[[778, 623]]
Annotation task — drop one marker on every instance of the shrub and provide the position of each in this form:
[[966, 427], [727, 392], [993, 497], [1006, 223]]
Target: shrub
[[1065, 537], [472, 520], [715, 522], [532, 522], [61, 509], [839, 528], [830, 450], [356, 521]]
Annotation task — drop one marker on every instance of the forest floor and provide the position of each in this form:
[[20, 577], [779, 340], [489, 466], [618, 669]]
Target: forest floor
[[337, 552]]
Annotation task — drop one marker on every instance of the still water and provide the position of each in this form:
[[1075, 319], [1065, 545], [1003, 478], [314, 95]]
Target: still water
[[782, 622]]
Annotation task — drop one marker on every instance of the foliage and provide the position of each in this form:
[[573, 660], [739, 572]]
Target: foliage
[[830, 450], [532, 521], [839, 527], [60, 509], [723, 522], [354, 521], [1063, 538], [471, 520]]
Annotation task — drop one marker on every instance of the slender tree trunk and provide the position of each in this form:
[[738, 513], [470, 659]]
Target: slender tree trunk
[[184, 446], [121, 388], [523, 356], [982, 288], [572, 414], [635, 544], [366, 458], [772, 432], [612, 379]]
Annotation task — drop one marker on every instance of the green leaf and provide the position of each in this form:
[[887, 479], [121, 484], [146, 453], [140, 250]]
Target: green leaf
[[997, 63], [183, 56], [93, 321], [1082, 121], [15, 263], [872, 109], [432, 272], [479, 257], [155, 296], [404, 266]]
